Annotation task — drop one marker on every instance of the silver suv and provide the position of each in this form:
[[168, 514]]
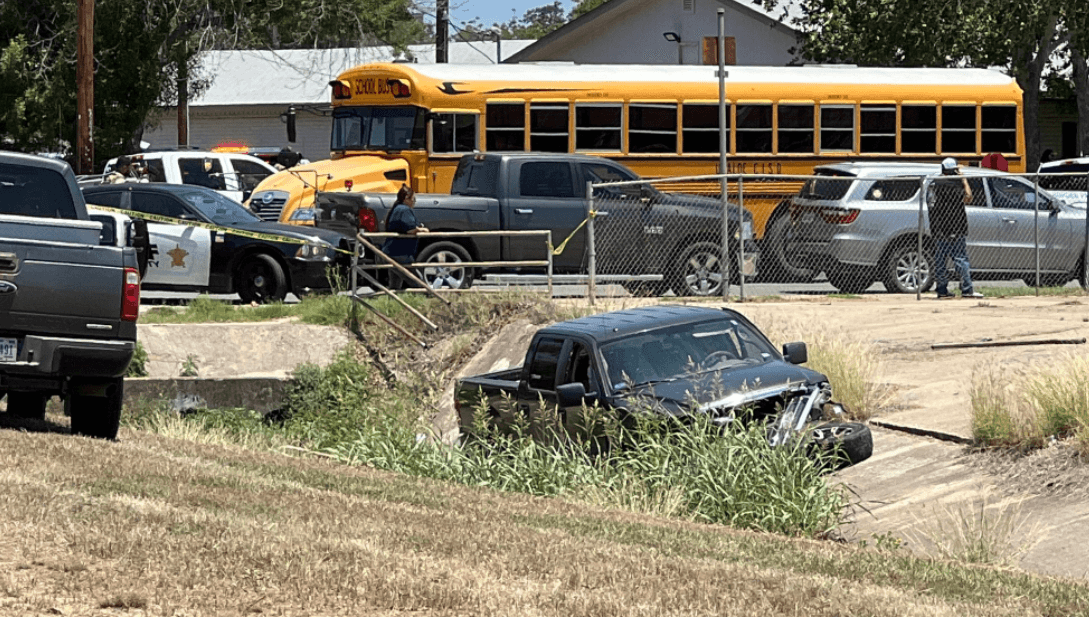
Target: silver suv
[[859, 222]]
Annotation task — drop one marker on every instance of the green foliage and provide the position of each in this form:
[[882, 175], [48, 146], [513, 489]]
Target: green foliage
[[138, 364], [142, 48], [189, 367]]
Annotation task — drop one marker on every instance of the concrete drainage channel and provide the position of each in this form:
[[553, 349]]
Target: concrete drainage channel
[[184, 394]]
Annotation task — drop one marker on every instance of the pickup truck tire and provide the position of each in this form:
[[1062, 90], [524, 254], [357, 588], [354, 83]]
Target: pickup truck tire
[[260, 279], [30, 405], [905, 271], [93, 415], [851, 441], [698, 271], [780, 264], [445, 274]]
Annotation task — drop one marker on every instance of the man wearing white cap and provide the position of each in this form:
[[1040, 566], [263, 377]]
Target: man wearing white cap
[[949, 226]]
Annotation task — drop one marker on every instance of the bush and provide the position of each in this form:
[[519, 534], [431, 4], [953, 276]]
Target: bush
[[138, 364]]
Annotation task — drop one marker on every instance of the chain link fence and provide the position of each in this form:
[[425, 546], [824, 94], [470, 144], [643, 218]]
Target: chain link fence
[[854, 228]]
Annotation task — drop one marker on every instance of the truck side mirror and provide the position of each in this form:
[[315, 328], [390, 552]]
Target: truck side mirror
[[795, 353], [571, 394]]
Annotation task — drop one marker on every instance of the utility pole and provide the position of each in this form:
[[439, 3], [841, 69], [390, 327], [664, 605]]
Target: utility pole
[[442, 32], [85, 87], [183, 102]]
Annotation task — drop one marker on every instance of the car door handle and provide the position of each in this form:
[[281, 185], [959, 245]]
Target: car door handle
[[523, 210], [1010, 221]]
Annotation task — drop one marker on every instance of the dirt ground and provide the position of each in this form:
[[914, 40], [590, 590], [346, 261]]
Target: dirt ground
[[923, 483]]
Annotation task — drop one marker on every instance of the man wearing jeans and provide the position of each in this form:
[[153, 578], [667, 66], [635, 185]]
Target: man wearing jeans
[[949, 226]]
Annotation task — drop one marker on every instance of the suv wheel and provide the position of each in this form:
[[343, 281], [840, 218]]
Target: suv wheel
[[850, 279], [906, 271]]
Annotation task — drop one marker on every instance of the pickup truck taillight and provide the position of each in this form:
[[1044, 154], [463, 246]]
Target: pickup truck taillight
[[368, 221], [130, 301]]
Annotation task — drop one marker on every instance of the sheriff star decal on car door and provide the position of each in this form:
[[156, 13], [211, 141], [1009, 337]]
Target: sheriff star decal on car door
[[177, 256]]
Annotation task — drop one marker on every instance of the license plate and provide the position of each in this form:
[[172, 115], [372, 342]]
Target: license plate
[[9, 349]]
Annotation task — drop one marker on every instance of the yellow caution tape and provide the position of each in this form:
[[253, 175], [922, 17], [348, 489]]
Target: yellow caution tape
[[559, 249], [254, 235]]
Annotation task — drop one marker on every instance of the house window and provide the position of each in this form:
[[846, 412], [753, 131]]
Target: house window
[[700, 130], [506, 128], [959, 128], [796, 128], [754, 128], [918, 129], [878, 128], [598, 127], [999, 124], [454, 133], [838, 128], [652, 128], [548, 128]]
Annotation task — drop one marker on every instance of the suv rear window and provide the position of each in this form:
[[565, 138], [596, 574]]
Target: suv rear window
[[893, 190], [33, 191], [832, 187], [1065, 183]]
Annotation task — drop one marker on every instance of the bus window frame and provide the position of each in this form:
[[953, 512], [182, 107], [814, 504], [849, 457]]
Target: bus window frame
[[975, 128], [900, 130], [1017, 109], [621, 128], [812, 130], [487, 128], [736, 149], [715, 130], [880, 106], [545, 104], [655, 104], [431, 113], [854, 107]]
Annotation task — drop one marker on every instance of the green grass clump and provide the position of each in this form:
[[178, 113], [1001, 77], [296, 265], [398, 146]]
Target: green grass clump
[[1025, 411], [138, 364]]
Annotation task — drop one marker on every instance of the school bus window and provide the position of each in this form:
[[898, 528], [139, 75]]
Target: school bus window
[[506, 126], [837, 128], [700, 128], [919, 128], [999, 128], [753, 128], [652, 128], [877, 128], [453, 133], [958, 128], [598, 127], [548, 127], [378, 128], [795, 128]]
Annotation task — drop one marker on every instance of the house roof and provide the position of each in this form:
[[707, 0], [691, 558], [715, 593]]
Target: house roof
[[787, 12], [301, 76]]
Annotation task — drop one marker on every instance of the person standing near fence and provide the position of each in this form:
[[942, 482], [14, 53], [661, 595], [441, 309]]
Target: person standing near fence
[[949, 226], [402, 220]]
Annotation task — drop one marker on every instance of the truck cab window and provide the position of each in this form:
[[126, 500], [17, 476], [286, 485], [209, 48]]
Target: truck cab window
[[546, 179], [542, 368]]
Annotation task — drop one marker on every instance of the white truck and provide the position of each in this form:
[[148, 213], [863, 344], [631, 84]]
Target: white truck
[[232, 174]]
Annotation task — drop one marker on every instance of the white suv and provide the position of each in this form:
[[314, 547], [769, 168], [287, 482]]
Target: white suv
[[232, 174]]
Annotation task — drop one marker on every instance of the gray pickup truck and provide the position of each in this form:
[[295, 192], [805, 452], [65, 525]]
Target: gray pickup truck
[[68, 301], [641, 232], [671, 360]]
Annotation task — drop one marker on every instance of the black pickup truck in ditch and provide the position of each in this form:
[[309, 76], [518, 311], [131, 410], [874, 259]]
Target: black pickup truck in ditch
[[674, 360], [643, 237]]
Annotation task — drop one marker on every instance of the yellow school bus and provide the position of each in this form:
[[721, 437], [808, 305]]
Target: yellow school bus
[[408, 123]]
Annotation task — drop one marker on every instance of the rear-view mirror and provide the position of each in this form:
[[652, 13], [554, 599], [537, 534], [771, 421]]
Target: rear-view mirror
[[795, 353], [570, 394]]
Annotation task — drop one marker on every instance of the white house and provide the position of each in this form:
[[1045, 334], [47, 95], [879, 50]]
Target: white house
[[251, 90], [671, 32]]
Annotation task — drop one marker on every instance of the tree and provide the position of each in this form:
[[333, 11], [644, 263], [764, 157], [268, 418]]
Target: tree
[[142, 48], [1018, 34]]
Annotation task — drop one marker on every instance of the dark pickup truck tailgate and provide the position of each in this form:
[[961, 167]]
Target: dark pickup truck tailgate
[[69, 288]]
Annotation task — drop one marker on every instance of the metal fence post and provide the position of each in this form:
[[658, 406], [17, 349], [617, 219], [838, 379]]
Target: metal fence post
[[1084, 282], [1036, 226], [934, 270], [548, 247], [725, 242], [741, 237], [590, 241]]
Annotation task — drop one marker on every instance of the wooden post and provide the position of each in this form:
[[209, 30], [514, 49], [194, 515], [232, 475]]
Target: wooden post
[[85, 87]]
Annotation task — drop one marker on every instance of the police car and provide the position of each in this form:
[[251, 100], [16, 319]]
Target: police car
[[207, 242]]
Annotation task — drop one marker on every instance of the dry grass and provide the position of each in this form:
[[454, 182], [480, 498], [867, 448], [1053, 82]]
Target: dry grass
[[158, 526], [986, 531]]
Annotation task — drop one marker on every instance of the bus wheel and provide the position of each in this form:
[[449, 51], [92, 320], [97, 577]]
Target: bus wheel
[[443, 271], [778, 261]]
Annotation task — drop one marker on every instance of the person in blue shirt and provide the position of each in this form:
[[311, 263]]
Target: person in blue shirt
[[402, 220]]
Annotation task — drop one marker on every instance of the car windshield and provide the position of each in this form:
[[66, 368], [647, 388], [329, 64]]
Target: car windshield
[[670, 353], [379, 128], [219, 209]]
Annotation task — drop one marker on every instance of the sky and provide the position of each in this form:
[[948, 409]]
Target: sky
[[492, 11]]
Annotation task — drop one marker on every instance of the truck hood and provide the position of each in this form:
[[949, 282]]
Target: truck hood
[[704, 203], [718, 393]]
